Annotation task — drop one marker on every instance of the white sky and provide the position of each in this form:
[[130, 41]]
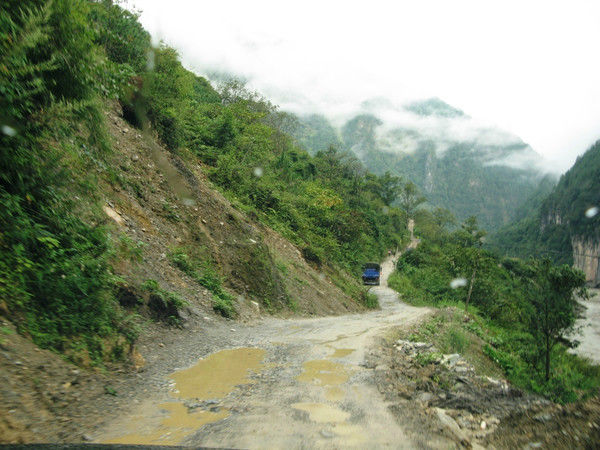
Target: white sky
[[529, 67]]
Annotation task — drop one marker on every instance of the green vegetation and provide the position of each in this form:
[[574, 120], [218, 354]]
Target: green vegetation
[[165, 304], [54, 254], [203, 274], [523, 311]]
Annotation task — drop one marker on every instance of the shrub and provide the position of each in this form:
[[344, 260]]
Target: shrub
[[165, 304]]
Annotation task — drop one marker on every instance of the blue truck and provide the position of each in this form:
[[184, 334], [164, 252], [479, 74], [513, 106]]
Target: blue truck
[[371, 274]]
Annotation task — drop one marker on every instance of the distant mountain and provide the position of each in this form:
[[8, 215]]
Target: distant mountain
[[314, 133], [457, 164], [565, 223], [433, 107]]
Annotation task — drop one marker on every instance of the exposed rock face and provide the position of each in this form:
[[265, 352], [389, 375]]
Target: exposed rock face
[[586, 256]]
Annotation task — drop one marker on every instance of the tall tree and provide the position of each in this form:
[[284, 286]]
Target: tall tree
[[554, 305], [409, 199], [390, 187]]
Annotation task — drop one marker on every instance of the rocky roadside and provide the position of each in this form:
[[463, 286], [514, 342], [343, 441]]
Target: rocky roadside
[[442, 395]]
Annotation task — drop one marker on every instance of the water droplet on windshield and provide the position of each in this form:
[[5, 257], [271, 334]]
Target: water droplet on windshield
[[8, 130], [385, 210], [258, 172], [591, 212], [150, 60], [458, 282], [187, 201]]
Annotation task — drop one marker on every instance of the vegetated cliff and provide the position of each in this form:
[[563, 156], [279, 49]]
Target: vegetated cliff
[[469, 170], [565, 225]]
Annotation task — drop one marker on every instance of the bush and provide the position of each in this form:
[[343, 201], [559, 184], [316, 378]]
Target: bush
[[165, 304]]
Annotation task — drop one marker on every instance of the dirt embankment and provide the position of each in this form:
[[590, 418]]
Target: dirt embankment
[[155, 203], [446, 395]]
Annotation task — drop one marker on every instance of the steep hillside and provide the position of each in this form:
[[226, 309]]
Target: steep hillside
[[565, 224], [167, 206], [132, 190], [457, 165]]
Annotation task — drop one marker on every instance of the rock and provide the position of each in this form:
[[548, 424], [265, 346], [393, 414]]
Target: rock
[[137, 360], [87, 437], [327, 434], [425, 397], [450, 424], [483, 425], [543, 418], [135, 158], [494, 381], [534, 445], [421, 345], [160, 344], [451, 359], [232, 329], [382, 367], [460, 369]]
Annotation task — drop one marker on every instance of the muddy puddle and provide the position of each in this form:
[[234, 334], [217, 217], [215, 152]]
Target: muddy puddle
[[323, 372], [321, 413], [210, 380], [341, 352]]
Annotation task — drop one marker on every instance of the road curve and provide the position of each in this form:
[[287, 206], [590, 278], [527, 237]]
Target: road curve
[[308, 388]]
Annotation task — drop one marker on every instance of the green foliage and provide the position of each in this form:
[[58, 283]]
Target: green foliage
[[165, 304], [370, 300], [54, 258], [118, 31], [553, 305], [521, 309], [203, 273], [129, 249]]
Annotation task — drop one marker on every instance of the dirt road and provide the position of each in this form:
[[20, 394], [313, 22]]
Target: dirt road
[[279, 384]]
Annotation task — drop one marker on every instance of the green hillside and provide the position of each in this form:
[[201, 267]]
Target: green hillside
[[63, 65], [551, 221]]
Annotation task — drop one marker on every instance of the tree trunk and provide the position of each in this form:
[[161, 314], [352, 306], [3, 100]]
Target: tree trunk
[[547, 358], [470, 289]]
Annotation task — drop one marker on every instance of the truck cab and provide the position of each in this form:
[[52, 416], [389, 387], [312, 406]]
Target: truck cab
[[371, 274]]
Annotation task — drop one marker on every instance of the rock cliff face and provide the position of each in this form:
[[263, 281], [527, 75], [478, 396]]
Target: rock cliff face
[[586, 256]]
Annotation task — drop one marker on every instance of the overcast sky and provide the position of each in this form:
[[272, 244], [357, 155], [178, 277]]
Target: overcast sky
[[529, 67]]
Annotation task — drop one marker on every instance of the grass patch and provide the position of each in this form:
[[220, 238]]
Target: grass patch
[[450, 334], [203, 274], [370, 300]]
